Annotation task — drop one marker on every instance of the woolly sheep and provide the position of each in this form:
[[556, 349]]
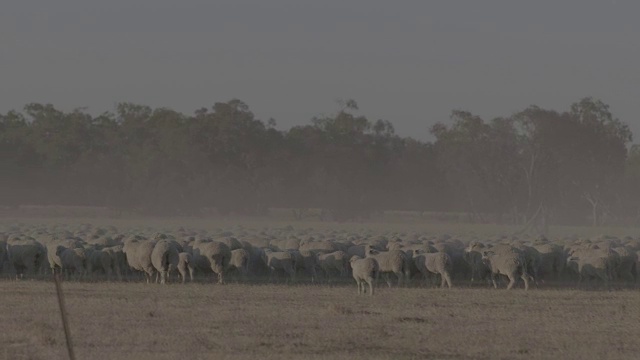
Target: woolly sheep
[[138, 253], [185, 265], [511, 264], [305, 260], [215, 255], [334, 261], [394, 261], [279, 261], [25, 256], [240, 261], [164, 258], [591, 266], [74, 261], [435, 263], [364, 271]]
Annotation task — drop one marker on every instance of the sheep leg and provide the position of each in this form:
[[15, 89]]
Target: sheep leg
[[446, 278], [387, 279], [493, 280], [512, 281], [400, 276], [525, 277]]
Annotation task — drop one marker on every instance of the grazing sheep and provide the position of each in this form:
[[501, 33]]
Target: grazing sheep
[[314, 245], [240, 261], [552, 260], [52, 250], [473, 256], [305, 260], [231, 242], [74, 261], [213, 254], [138, 253], [435, 263], [627, 268], [26, 256], [103, 260], [334, 261], [532, 258], [511, 264], [185, 264], [394, 261], [118, 260], [279, 261], [364, 271], [591, 266], [164, 258]]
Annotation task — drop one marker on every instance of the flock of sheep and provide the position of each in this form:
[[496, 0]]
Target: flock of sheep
[[89, 253]]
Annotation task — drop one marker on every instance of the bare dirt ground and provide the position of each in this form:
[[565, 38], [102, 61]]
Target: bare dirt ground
[[240, 321]]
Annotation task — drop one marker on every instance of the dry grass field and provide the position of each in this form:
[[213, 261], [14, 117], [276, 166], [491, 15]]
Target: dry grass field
[[240, 321], [276, 321]]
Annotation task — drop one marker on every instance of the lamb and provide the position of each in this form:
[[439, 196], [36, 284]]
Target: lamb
[[364, 271]]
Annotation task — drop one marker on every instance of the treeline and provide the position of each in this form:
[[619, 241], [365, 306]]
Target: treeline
[[534, 167]]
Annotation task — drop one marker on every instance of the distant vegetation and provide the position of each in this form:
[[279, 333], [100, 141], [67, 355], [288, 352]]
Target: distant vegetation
[[532, 168]]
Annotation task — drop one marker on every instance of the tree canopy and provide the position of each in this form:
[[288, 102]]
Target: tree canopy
[[575, 166]]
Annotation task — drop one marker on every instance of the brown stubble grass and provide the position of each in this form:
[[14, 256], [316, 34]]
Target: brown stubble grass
[[240, 321]]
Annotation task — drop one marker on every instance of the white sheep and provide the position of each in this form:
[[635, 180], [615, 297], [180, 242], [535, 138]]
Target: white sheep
[[394, 261], [364, 271]]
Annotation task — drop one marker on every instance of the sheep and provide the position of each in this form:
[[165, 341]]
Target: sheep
[[532, 258], [72, 260], [626, 269], [473, 256], [100, 260], [118, 261], [138, 253], [185, 264], [394, 261], [305, 260], [25, 255], [52, 250], [436, 263], [334, 261], [212, 255], [364, 271], [279, 261], [552, 260], [164, 258], [240, 261], [511, 264], [591, 266]]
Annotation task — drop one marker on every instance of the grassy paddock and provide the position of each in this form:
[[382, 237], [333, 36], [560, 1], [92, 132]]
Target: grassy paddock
[[139, 321]]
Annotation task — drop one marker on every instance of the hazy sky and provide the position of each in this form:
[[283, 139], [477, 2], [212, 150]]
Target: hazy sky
[[410, 62]]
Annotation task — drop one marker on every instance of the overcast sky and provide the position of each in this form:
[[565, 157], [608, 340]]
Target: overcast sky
[[410, 62]]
